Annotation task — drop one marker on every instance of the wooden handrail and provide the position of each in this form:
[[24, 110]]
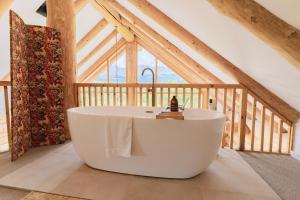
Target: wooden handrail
[[234, 100], [5, 83], [163, 85]]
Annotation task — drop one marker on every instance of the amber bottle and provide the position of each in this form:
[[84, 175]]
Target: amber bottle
[[174, 104]]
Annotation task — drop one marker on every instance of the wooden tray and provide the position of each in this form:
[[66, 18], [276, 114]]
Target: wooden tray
[[170, 115]]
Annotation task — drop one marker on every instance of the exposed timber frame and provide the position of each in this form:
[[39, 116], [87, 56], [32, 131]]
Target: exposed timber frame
[[79, 4], [144, 31], [227, 67], [271, 29], [105, 65], [91, 70], [96, 49], [113, 19], [91, 34]]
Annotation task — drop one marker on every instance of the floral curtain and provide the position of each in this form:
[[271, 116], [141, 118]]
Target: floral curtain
[[37, 86]]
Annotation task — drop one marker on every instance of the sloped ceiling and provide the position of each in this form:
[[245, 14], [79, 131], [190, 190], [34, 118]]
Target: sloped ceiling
[[234, 42], [224, 35]]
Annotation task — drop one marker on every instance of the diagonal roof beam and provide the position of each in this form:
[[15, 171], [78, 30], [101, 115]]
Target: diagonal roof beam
[[91, 34], [278, 34], [166, 60], [170, 60], [140, 28], [101, 67], [112, 19], [90, 70], [79, 4], [219, 61], [97, 48]]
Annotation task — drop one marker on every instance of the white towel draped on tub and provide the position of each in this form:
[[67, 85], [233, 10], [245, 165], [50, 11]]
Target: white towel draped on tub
[[118, 136]]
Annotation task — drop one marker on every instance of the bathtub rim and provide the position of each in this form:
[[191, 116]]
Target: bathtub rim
[[218, 114]]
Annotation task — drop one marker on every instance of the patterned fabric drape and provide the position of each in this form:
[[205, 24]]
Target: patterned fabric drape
[[37, 86]]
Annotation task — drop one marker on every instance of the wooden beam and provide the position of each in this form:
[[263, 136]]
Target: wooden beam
[[219, 61], [124, 31], [4, 6], [97, 48], [79, 4], [91, 34], [131, 70], [268, 27], [102, 66], [140, 28], [171, 61], [60, 15], [89, 71]]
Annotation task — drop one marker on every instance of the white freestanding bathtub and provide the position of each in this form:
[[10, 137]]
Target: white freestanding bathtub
[[160, 147]]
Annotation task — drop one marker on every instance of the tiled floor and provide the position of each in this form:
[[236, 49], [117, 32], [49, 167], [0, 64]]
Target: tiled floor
[[58, 170]]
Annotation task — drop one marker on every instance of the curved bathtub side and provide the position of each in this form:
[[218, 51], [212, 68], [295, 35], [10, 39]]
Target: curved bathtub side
[[160, 148]]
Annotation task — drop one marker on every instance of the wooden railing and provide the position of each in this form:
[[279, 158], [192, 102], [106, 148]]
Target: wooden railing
[[5, 132], [251, 124]]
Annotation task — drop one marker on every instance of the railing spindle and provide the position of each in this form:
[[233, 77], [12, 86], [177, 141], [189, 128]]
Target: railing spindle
[[232, 117], [192, 98], [121, 95], [84, 96], [262, 128], [199, 98], [161, 97], [108, 95], [101, 97], [95, 96], [114, 96], [253, 123], [280, 124], [271, 132], [225, 101], [243, 118], [90, 96]]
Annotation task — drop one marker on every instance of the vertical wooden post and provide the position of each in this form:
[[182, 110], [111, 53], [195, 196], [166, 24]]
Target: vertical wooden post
[[243, 118], [61, 16], [131, 71]]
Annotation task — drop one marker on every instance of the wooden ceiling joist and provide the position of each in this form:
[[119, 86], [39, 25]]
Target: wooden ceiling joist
[[90, 70], [219, 61], [102, 67], [96, 49], [111, 18], [271, 29], [91, 34], [4, 6], [79, 4], [171, 61], [140, 28]]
